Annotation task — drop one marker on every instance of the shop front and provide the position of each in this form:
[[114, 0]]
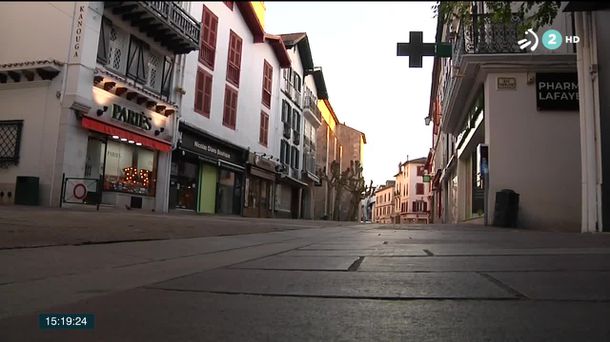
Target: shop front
[[207, 174], [124, 146], [260, 183], [289, 197]]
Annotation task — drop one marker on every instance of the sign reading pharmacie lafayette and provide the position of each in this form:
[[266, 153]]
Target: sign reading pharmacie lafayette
[[207, 147], [557, 91]]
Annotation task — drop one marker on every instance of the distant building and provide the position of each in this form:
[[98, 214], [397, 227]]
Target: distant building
[[352, 142], [384, 202], [411, 193]]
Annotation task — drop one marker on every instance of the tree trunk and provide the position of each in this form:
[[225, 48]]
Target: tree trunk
[[336, 211]]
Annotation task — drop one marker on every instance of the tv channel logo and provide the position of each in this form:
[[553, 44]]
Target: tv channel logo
[[551, 39]]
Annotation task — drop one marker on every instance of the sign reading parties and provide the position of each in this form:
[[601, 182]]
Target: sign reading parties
[[557, 91]]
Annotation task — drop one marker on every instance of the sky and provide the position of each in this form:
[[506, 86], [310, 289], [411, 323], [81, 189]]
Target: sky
[[370, 88]]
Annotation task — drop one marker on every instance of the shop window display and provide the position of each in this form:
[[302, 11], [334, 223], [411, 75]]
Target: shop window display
[[130, 169]]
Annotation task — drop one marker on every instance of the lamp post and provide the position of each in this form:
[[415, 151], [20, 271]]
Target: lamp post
[[427, 119]]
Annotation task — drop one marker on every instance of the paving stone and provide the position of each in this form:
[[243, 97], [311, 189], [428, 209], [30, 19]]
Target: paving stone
[[341, 284]]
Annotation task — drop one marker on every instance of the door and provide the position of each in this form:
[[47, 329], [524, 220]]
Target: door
[[208, 177]]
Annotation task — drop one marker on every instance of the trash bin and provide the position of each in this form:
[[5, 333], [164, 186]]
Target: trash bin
[[27, 190], [507, 208]]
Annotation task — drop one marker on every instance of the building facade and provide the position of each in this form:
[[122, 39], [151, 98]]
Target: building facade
[[328, 150], [224, 161], [92, 100], [411, 193], [352, 142], [384, 203], [492, 106]]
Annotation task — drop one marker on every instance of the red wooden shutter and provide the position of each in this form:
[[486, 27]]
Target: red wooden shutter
[[267, 81], [199, 92], [420, 189], [264, 129], [207, 94], [233, 109], [226, 115], [209, 29], [234, 60]]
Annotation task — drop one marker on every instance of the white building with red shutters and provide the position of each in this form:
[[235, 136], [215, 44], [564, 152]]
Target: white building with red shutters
[[227, 152]]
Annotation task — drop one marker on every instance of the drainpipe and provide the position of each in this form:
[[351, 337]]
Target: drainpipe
[[591, 219]]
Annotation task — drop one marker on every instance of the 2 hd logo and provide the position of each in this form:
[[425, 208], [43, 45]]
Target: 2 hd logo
[[551, 40]]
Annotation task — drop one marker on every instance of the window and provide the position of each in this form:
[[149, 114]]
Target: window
[[419, 189], [267, 81], [420, 206], [129, 56], [297, 82], [230, 108], [420, 171], [296, 120], [294, 158], [203, 93], [234, 60], [10, 140], [286, 112], [129, 169], [229, 4], [264, 129], [285, 152], [209, 30]]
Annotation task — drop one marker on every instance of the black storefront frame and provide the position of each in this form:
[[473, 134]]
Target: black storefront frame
[[219, 153]]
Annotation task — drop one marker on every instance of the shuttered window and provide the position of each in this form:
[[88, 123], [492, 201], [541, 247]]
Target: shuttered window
[[229, 116], [203, 93], [209, 30], [264, 129], [234, 60], [267, 81]]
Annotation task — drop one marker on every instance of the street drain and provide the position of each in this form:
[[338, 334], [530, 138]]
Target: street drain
[[354, 266]]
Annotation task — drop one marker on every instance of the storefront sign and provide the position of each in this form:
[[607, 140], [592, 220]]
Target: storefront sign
[[78, 30], [132, 117], [211, 149], [557, 91], [264, 164]]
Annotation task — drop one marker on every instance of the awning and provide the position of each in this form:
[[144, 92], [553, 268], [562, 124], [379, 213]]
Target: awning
[[262, 173], [293, 181], [108, 129]]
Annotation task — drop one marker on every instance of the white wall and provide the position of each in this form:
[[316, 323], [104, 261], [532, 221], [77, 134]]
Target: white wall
[[34, 103], [246, 133], [537, 154], [35, 30]]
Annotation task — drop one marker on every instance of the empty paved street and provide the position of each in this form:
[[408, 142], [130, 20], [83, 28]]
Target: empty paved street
[[322, 282]]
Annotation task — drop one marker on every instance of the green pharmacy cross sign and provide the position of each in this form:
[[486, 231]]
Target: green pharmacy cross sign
[[416, 49]]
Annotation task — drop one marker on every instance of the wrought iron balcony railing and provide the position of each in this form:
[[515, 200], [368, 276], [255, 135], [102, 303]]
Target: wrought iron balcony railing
[[310, 104], [166, 22], [484, 36]]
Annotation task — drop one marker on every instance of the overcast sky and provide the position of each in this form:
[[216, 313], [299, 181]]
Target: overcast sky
[[370, 88]]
